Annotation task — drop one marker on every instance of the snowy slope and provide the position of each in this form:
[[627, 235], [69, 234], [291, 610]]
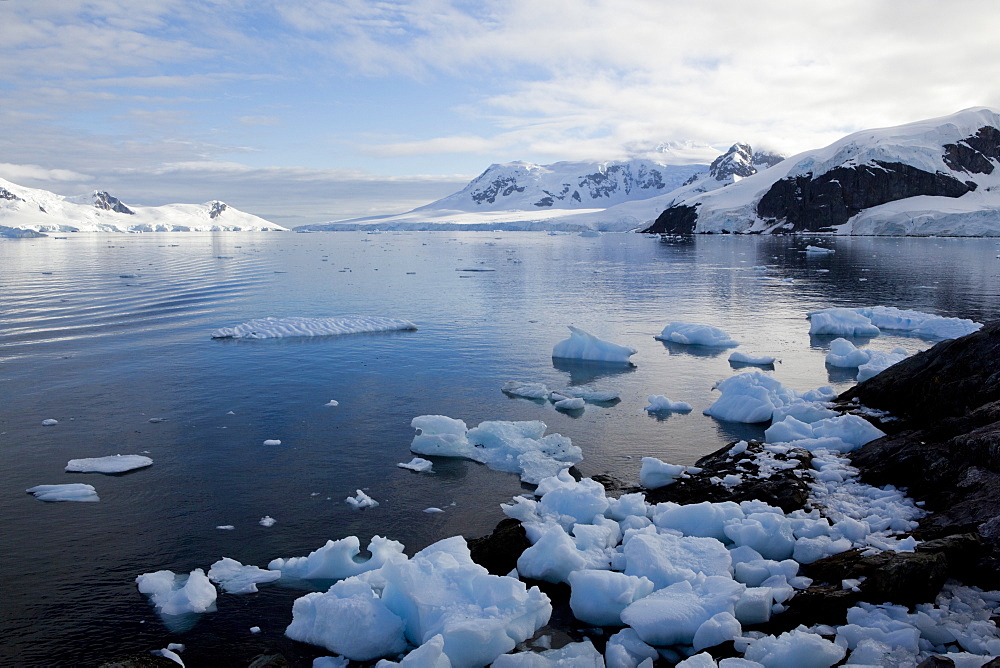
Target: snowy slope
[[918, 178], [42, 211], [609, 196]]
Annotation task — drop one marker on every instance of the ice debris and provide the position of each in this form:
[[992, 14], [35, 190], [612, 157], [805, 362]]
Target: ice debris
[[235, 578], [272, 328], [67, 492], [361, 500], [696, 335], [110, 464]]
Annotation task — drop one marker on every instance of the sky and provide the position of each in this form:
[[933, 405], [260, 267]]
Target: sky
[[324, 110]]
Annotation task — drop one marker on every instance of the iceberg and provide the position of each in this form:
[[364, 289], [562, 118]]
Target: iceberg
[[339, 559], [696, 335], [174, 594], [870, 321], [750, 397], [514, 447], [361, 500], [68, 492], [111, 464], [585, 346], [660, 403], [274, 328], [235, 578]]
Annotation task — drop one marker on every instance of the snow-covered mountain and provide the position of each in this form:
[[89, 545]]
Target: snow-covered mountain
[[25, 210], [565, 185], [607, 196], [933, 177]]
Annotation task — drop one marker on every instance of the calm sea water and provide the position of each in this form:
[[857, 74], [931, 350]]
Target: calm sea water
[[105, 332]]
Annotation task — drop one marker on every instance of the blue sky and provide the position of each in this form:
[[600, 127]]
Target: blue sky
[[323, 110]]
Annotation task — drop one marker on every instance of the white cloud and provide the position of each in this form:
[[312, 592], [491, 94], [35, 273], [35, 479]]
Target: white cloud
[[20, 174]]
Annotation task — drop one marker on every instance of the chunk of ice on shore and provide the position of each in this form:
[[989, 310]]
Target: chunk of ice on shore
[[656, 473], [361, 500], [273, 328], [879, 361], [174, 594], [110, 464], [574, 655], [795, 648], [515, 447], [418, 464], [658, 403], [585, 346], [235, 578], [696, 335], [339, 559], [598, 597], [674, 614], [68, 492]]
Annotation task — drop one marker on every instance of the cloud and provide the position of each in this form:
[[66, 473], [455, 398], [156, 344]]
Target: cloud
[[22, 173]]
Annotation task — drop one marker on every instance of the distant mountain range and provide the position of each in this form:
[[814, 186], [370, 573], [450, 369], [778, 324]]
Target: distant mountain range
[[934, 177], [31, 212]]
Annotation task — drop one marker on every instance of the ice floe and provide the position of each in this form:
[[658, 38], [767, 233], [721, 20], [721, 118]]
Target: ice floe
[[174, 594], [514, 447], [273, 328], [67, 492], [361, 500], [49, 422], [696, 335], [417, 464], [272, 441], [584, 346], [660, 403], [339, 559], [870, 321], [738, 357], [110, 464], [267, 521], [236, 578], [755, 396]]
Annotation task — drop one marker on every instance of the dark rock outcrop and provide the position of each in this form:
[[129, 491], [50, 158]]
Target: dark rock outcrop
[[973, 154], [140, 660], [498, 552], [108, 202], [8, 195], [813, 203], [679, 219]]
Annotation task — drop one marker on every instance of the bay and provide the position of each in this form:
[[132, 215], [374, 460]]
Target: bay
[[105, 333]]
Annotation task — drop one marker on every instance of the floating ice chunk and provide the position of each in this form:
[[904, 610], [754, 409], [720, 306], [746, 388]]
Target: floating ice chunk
[[570, 404], [111, 464], [746, 358], [267, 521], [924, 325], [272, 441], [332, 402], [515, 447], [432, 510], [842, 433], [666, 559], [674, 614], [417, 464], [880, 361], [49, 422], [429, 655], [348, 619], [696, 335], [795, 648], [626, 650], [845, 354], [598, 597], [659, 403], [819, 250], [168, 653], [716, 630], [479, 615], [704, 520], [68, 492], [593, 396], [769, 533], [226, 527], [235, 578], [174, 594], [657, 473], [361, 500], [339, 559], [582, 345], [574, 655], [273, 328], [842, 322], [750, 397], [527, 390]]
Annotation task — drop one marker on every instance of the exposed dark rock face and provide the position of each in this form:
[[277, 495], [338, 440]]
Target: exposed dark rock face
[[813, 204], [948, 452], [8, 195], [949, 380], [140, 660], [973, 154], [502, 186], [107, 202], [498, 552], [217, 209], [680, 219]]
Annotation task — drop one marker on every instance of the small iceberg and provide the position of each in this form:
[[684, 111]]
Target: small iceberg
[[418, 464], [276, 328], [361, 500], [583, 345], [753, 360], [819, 250], [235, 578], [660, 404], [175, 595], [69, 492], [696, 335], [110, 464]]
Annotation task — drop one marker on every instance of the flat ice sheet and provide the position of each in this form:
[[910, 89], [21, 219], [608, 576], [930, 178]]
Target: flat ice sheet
[[69, 492], [110, 464], [276, 328]]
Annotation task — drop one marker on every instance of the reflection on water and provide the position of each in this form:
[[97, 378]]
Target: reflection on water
[[104, 354]]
